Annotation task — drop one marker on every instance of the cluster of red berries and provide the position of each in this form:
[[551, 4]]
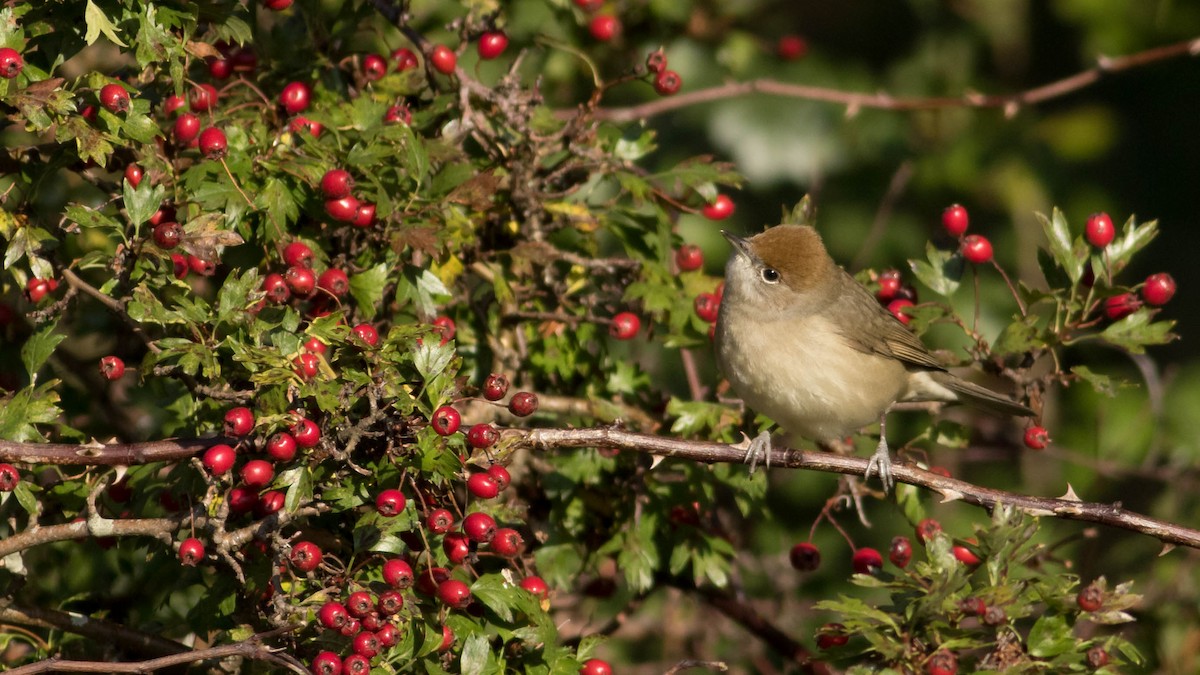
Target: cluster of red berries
[[896, 294], [975, 248], [337, 186], [368, 623], [36, 289], [666, 82], [256, 474]]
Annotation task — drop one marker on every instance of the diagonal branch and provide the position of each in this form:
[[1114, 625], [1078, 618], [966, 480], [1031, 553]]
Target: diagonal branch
[[855, 101], [108, 454]]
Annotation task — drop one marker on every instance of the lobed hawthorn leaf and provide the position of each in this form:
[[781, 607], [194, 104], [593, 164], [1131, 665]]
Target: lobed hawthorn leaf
[[942, 272], [1138, 330], [1133, 238], [25, 409], [38, 348], [367, 289], [476, 656], [140, 204], [97, 23], [1069, 254], [1102, 384]]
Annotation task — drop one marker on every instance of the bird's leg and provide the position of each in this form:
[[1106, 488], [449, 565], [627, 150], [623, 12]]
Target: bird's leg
[[881, 461], [760, 448]]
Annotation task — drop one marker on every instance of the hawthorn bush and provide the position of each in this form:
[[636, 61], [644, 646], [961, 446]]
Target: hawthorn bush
[[339, 335]]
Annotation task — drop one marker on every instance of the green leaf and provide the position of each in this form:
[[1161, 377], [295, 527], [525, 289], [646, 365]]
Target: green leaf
[[1050, 636], [141, 202], [367, 289], [1070, 255], [300, 487], [496, 594], [1134, 238], [1020, 336], [234, 293], [24, 492], [38, 348], [1103, 384], [475, 654], [27, 408], [1136, 331], [98, 23], [943, 271]]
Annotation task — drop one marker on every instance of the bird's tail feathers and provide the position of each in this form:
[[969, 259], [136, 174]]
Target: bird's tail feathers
[[982, 397]]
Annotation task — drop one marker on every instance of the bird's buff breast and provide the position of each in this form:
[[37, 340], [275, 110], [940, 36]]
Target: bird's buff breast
[[802, 375]]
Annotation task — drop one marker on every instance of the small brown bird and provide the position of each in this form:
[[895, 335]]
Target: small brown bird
[[805, 344]]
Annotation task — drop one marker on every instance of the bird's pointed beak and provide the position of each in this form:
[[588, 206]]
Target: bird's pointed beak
[[740, 244]]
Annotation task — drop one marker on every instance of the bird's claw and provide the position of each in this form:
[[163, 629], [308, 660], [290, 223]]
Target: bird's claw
[[759, 448], [881, 463]]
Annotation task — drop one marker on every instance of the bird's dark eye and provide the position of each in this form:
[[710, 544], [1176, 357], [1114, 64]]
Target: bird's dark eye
[[770, 275]]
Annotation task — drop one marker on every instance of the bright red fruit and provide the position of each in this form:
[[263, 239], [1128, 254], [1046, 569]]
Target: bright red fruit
[[9, 477], [942, 663], [595, 667], [523, 404], [203, 98], [447, 638], [367, 333], [306, 556], [397, 573], [707, 306], [167, 235], [965, 555], [495, 387], [364, 215], [298, 254], [1158, 289], [457, 546], [133, 174], [443, 59], [187, 128], [1090, 599], [867, 561], [454, 593], [479, 527], [389, 603], [805, 557], [281, 446], [112, 367], [11, 62], [306, 432], [791, 47], [507, 542], [300, 123], [343, 210], [270, 502], [180, 267], [333, 615], [374, 67], [191, 552], [901, 551], [445, 326], [276, 288], [1099, 230], [334, 281], [219, 459], [390, 503], [445, 420], [1036, 438], [326, 663], [405, 59], [721, 208], [955, 220], [173, 103], [239, 421], [482, 436], [242, 500], [500, 475], [1120, 306], [897, 307], [689, 257], [398, 114], [492, 44], [257, 473], [439, 521], [300, 280], [832, 635], [337, 183], [976, 248], [483, 486], [114, 98], [295, 97], [667, 83], [307, 365], [536, 585], [927, 529], [625, 326], [278, 6], [604, 27]]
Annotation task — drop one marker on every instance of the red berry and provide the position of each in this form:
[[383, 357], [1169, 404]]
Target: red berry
[[1158, 289], [482, 436], [11, 62], [389, 635], [326, 663], [390, 503], [625, 326], [656, 61], [220, 69], [483, 486], [889, 285], [667, 83], [500, 475], [447, 638], [439, 521], [360, 604], [242, 500], [300, 280], [791, 47], [479, 527], [405, 59], [367, 333], [187, 128], [721, 208], [213, 143], [832, 635], [927, 529], [180, 267], [334, 281], [901, 551], [270, 502], [333, 615], [298, 254], [276, 288], [356, 664], [167, 235], [314, 345], [897, 307], [203, 98], [257, 473], [133, 174], [239, 421], [942, 663], [707, 306], [445, 420], [299, 124], [343, 210], [976, 248], [352, 628], [191, 552], [523, 404], [805, 557], [295, 97], [457, 547], [536, 585], [454, 593], [1091, 598], [495, 387], [1120, 306], [306, 432], [114, 98], [867, 561], [954, 220], [364, 216], [397, 573], [219, 459], [443, 59], [973, 606], [965, 555], [398, 114], [1097, 657], [1099, 230], [445, 326], [306, 556], [507, 542], [374, 67], [1036, 438], [389, 603], [336, 184], [9, 477], [689, 257], [278, 5], [492, 44], [173, 103], [604, 27], [36, 289], [112, 367]]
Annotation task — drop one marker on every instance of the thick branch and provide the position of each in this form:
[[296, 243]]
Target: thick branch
[[82, 529], [99, 630], [855, 101], [109, 454], [1112, 515]]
